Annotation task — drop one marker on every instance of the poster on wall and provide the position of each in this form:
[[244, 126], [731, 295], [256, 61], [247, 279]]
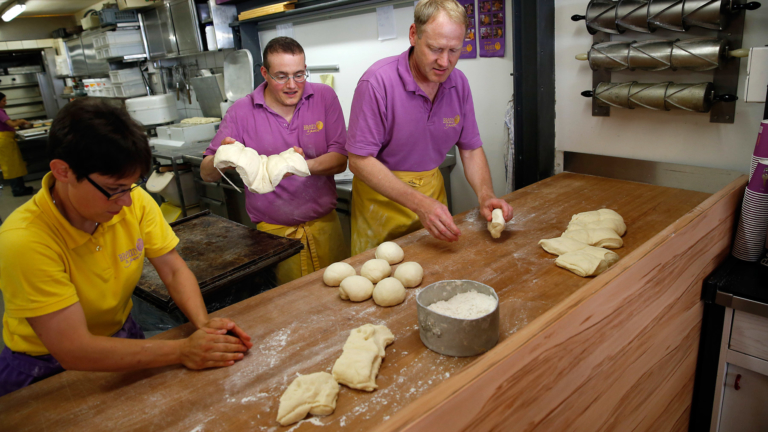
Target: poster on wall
[[469, 49], [491, 21]]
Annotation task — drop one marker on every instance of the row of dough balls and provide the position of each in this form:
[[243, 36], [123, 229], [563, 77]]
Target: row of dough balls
[[582, 248], [389, 291]]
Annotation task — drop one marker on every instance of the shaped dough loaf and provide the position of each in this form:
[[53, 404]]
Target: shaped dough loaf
[[360, 360], [261, 174], [603, 218], [561, 245], [590, 261], [598, 237], [308, 394], [496, 225]]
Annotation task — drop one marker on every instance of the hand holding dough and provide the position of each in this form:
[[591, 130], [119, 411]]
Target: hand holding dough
[[355, 288], [496, 225], [409, 274], [598, 237], [389, 292], [308, 394], [376, 270], [337, 272], [360, 360], [590, 261], [261, 174], [390, 252]]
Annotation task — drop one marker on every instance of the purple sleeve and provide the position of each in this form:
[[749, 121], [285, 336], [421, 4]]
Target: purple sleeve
[[470, 134], [367, 121], [227, 128], [335, 128], [3, 116]]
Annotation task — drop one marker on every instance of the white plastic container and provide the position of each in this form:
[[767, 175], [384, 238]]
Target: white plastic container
[[165, 185], [151, 110], [125, 75], [129, 89], [120, 50], [210, 38]]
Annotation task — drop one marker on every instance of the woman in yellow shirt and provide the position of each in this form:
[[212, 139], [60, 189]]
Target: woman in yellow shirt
[[71, 256]]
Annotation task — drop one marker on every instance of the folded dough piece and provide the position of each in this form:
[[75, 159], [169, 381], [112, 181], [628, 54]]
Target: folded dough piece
[[590, 261], [360, 360], [496, 225], [261, 174], [561, 245], [308, 394], [603, 218], [598, 237]]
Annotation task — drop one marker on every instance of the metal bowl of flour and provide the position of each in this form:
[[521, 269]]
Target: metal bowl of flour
[[456, 336]]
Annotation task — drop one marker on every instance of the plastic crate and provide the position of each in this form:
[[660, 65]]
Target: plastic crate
[[125, 75], [113, 16], [129, 89], [119, 51], [120, 37]]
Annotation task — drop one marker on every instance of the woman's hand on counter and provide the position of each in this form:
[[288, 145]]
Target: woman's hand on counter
[[228, 326], [208, 348], [489, 204]]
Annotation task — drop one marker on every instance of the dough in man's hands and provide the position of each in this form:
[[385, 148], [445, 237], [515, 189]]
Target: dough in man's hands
[[355, 288], [376, 270], [261, 174], [337, 272], [590, 261], [496, 225], [561, 245], [389, 292], [390, 252], [409, 274], [308, 394], [598, 237], [360, 360]]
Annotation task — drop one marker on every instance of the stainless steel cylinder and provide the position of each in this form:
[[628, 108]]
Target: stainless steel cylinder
[[649, 95], [610, 56], [690, 97], [633, 15], [710, 14], [667, 14], [699, 54], [455, 336], [613, 94], [601, 16], [651, 55]]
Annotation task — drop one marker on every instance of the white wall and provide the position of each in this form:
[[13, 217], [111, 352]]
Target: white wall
[[352, 43], [673, 136]]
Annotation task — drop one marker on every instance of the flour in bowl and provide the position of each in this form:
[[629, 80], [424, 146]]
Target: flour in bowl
[[468, 305]]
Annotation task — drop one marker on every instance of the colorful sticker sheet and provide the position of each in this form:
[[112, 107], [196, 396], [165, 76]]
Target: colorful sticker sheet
[[469, 49], [491, 20]]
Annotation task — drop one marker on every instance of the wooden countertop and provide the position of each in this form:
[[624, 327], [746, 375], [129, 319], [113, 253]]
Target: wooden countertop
[[300, 327]]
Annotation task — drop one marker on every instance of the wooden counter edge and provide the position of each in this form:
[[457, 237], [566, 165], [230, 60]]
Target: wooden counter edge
[[432, 405]]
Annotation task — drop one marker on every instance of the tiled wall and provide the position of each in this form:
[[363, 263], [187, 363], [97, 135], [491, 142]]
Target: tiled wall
[[213, 61]]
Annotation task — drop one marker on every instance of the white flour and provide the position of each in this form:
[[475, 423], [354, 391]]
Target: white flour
[[468, 305]]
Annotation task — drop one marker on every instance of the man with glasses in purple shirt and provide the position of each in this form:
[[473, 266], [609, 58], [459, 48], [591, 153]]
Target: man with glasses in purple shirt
[[287, 112], [407, 112]]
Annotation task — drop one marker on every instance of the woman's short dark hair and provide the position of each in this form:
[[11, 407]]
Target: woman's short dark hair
[[94, 136], [281, 44], [2, 96]]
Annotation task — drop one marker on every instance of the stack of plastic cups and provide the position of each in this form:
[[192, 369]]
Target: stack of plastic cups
[[752, 232]]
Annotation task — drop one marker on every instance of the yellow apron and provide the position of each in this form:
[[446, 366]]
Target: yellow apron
[[376, 218], [323, 245], [11, 162]]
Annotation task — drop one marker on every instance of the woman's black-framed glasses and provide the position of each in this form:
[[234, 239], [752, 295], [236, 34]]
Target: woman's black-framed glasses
[[299, 77], [118, 194]]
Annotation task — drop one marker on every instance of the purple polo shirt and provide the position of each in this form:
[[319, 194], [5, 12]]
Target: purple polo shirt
[[4, 118], [317, 127], [393, 119]]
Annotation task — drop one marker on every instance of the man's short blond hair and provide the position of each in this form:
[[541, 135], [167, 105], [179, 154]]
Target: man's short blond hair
[[426, 9]]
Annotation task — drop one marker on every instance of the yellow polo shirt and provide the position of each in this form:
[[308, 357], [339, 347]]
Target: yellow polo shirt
[[46, 264]]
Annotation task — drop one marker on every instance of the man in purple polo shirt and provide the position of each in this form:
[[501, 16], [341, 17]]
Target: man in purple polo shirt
[[407, 112], [283, 112]]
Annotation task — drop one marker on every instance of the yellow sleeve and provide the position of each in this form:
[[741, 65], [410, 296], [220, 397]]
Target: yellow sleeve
[[159, 238], [33, 274]]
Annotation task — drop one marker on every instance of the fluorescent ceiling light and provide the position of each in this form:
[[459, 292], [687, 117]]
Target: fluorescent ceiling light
[[14, 10]]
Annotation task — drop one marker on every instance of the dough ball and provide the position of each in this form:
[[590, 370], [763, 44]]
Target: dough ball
[[390, 252], [376, 270], [356, 288], [337, 272], [389, 292], [409, 274]]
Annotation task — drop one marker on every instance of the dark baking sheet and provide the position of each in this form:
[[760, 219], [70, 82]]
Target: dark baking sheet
[[219, 252]]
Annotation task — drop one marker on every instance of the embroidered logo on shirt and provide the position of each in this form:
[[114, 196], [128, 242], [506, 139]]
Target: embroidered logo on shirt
[[312, 128], [131, 255], [451, 122]]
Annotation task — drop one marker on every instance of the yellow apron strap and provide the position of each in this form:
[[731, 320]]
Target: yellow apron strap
[[376, 219]]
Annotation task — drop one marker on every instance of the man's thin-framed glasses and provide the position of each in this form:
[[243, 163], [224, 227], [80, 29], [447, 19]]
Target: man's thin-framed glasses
[[118, 194], [299, 77]]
